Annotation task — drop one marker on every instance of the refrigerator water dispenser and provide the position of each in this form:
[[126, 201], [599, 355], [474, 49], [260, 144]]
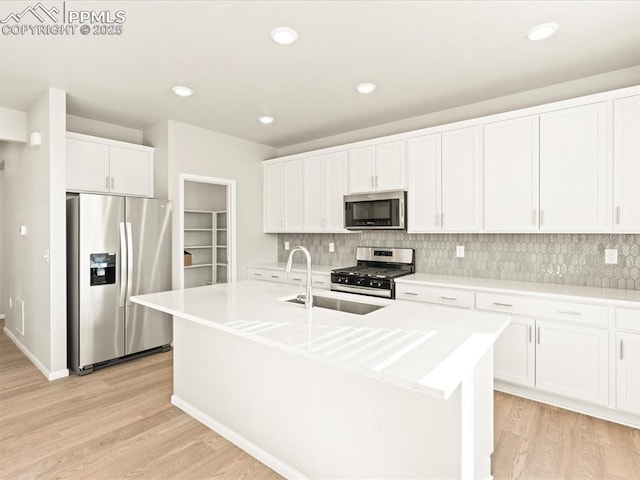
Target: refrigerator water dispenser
[[103, 268]]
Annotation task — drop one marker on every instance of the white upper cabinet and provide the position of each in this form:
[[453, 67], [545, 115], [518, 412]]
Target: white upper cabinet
[[377, 168], [100, 165], [574, 169], [283, 202], [511, 175], [445, 182], [424, 196], [626, 164], [324, 188], [87, 166], [462, 180]]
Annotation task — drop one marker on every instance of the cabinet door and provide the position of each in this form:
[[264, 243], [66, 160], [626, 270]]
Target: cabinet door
[[87, 166], [390, 166], [131, 172], [461, 180], [573, 361], [511, 175], [314, 193], [573, 169], [626, 164], [293, 201], [628, 372], [273, 214], [362, 170], [335, 176], [514, 353], [424, 201]]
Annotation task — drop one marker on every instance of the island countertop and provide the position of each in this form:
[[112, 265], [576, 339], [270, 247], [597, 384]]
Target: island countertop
[[424, 348]]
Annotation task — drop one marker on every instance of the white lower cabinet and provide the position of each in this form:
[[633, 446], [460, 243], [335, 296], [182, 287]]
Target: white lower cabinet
[[565, 353], [628, 372], [319, 280], [515, 353], [573, 361]]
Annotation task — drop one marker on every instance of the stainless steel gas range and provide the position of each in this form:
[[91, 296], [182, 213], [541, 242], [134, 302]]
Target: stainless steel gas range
[[375, 271]]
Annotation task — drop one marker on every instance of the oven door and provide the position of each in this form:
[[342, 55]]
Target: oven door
[[380, 211]]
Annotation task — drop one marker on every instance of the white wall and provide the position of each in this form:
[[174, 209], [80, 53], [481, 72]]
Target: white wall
[[158, 138], [598, 83], [199, 151], [102, 129], [204, 196], [13, 125], [36, 262]]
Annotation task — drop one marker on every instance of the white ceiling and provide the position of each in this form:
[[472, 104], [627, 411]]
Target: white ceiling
[[424, 56]]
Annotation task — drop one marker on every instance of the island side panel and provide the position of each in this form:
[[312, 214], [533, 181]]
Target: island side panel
[[306, 418]]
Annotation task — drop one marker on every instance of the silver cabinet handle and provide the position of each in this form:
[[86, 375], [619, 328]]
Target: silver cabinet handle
[[621, 349], [275, 276], [294, 278], [541, 217], [453, 299], [319, 282], [502, 304], [411, 293], [538, 335], [373, 181], [618, 215], [530, 333], [106, 181], [569, 312], [112, 182], [257, 274]]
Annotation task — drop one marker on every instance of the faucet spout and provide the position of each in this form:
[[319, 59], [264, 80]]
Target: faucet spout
[[308, 303]]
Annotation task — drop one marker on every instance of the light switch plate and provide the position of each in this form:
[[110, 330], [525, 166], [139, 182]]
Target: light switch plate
[[460, 251], [286, 245], [611, 256], [332, 247]]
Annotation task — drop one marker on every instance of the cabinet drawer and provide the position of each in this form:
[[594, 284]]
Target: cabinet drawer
[[567, 311], [628, 319], [297, 278], [268, 275], [443, 296], [321, 280]]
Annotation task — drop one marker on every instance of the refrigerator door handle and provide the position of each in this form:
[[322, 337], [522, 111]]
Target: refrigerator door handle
[[123, 265], [129, 262]]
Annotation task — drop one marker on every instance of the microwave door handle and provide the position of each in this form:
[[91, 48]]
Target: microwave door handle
[[402, 212]]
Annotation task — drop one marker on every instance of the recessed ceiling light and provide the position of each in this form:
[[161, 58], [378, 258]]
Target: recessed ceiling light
[[540, 32], [266, 119], [284, 35], [366, 87], [182, 91]]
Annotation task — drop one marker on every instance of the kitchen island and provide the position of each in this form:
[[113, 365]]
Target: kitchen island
[[405, 391]]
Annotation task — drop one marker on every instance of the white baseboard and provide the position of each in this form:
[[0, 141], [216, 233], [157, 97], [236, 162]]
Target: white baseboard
[[49, 375], [251, 448], [604, 413]]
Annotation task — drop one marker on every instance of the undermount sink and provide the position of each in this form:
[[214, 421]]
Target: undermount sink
[[338, 304]]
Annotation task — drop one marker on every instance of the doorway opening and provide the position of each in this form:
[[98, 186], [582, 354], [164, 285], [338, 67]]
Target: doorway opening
[[207, 211]]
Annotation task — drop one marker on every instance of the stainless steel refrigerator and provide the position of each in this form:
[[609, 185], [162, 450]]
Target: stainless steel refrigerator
[[116, 247]]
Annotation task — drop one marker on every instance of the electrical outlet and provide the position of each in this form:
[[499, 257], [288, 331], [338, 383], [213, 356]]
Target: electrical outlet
[[286, 246], [611, 256], [10, 302], [460, 251], [332, 247]]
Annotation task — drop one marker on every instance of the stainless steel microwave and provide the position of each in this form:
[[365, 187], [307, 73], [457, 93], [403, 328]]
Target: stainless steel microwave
[[375, 211]]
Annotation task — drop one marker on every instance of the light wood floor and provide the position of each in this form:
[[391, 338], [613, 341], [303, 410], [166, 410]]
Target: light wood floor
[[118, 423]]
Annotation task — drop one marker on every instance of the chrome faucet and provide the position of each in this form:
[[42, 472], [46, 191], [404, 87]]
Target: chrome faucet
[[308, 301]]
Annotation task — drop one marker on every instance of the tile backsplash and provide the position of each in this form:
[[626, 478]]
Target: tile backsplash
[[564, 258]]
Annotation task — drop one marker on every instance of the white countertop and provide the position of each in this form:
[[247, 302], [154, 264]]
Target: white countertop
[[425, 348], [565, 292], [296, 267]]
